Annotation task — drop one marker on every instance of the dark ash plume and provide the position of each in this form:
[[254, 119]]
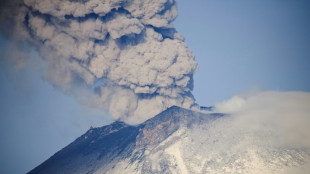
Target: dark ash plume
[[123, 55]]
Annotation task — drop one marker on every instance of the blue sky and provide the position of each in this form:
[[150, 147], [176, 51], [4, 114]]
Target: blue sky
[[247, 45], [239, 46]]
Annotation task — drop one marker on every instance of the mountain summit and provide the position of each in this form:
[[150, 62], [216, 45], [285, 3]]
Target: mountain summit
[[120, 147], [175, 141]]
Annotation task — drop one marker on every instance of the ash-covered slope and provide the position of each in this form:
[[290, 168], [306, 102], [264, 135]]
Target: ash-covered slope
[[101, 149], [177, 141]]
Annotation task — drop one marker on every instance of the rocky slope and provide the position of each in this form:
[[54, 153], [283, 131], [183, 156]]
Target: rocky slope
[[175, 141]]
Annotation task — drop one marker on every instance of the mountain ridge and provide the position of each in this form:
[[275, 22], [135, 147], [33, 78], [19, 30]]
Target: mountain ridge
[[102, 147], [176, 140]]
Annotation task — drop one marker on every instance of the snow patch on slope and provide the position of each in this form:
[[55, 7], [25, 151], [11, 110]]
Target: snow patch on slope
[[174, 150]]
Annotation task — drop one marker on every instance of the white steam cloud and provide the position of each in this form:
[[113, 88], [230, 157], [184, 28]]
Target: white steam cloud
[[122, 55], [268, 132]]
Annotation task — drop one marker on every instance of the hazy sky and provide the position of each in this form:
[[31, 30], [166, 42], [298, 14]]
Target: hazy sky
[[239, 45]]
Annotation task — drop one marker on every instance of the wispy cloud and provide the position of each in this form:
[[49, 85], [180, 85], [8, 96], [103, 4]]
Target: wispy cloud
[[274, 123]]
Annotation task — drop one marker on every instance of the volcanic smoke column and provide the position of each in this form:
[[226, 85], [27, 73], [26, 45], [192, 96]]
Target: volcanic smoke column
[[122, 55]]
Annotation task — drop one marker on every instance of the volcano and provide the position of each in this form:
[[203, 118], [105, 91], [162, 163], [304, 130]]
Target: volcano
[[101, 150], [175, 141]]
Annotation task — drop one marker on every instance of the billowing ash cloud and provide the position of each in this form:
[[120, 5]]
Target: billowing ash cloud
[[126, 52]]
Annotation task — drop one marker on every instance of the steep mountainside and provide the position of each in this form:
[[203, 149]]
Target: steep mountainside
[[175, 141], [103, 148]]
